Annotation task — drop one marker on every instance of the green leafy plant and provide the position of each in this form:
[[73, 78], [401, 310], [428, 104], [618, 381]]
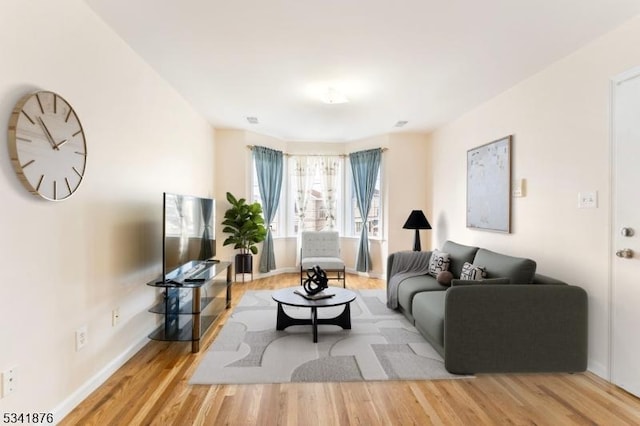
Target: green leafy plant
[[245, 224]]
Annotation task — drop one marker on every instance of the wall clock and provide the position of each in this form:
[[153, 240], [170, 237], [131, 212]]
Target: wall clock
[[47, 145]]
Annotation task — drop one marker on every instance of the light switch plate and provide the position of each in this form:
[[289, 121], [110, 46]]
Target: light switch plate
[[518, 188], [588, 200]]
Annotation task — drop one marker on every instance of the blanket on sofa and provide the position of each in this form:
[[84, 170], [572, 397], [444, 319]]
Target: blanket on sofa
[[405, 264]]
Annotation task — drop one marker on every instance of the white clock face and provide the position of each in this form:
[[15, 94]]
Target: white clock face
[[48, 147]]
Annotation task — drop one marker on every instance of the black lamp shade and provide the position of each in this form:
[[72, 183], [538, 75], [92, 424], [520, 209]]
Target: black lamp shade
[[417, 220]]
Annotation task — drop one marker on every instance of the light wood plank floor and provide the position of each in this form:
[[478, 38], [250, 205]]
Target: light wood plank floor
[[152, 389]]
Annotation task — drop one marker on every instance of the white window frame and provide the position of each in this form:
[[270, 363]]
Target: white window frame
[[345, 217]]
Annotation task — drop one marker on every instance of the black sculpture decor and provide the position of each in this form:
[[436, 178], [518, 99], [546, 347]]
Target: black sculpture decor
[[316, 280]]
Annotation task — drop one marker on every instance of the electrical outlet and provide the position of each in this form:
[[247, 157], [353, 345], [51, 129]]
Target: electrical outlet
[[115, 317], [8, 381], [82, 335]]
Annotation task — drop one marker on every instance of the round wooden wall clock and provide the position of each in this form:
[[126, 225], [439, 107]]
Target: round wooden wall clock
[[47, 145]]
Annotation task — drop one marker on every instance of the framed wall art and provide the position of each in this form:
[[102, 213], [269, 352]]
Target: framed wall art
[[489, 186]]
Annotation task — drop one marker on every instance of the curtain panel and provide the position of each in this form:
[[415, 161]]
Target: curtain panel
[[269, 168], [306, 172], [303, 171], [330, 173], [365, 166]]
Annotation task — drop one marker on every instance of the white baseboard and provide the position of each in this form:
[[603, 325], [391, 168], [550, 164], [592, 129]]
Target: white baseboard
[[66, 406], [275, 272], [599, 370], [366, 274]]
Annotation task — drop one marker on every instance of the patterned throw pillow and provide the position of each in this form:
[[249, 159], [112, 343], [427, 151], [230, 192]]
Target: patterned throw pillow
[[438, 262], [472, 272]]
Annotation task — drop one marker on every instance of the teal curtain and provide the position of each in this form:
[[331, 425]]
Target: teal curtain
[[269, 169], [364, 166]]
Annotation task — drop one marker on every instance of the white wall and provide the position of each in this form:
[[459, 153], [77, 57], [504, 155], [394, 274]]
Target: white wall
[[68, 264], [560, 122], [408, 170]]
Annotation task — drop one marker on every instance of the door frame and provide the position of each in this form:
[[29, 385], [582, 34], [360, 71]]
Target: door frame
[[614, 83]]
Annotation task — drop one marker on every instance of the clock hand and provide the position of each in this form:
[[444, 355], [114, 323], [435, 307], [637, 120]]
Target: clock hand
[[44, 130], [46, 133], [69, 138], [59, 144]]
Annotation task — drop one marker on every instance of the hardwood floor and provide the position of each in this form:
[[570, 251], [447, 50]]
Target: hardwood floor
[[152, 389]]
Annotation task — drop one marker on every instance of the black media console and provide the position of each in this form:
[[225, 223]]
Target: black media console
[[188, 315]]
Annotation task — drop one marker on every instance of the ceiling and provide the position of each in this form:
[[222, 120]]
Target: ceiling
[[421, 61]]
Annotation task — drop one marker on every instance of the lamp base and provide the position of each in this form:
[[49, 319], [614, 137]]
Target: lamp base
[[416, 242]]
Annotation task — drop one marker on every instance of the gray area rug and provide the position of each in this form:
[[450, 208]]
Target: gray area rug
[[381, 345]]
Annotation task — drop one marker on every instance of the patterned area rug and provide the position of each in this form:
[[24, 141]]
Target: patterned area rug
[[381, 345]]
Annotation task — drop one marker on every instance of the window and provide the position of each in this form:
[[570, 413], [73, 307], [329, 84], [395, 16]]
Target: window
[[325, 178], [315, 216], [315, 183]]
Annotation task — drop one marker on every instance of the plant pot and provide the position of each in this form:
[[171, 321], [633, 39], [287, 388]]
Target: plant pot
[[244, 263]]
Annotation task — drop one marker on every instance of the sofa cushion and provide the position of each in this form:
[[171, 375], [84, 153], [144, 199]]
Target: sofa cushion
[[411, 286], [472, 272], [438, 262], [323, 262], [458, 255], [485, 281], [518, 269], [428, 312]]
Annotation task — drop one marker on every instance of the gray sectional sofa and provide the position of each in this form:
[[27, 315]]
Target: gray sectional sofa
[[532, 324]]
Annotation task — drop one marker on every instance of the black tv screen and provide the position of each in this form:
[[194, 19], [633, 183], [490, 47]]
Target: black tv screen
[[188, 232]]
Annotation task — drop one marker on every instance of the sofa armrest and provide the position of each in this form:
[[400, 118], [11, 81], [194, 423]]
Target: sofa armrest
[[544, 279], [389, 264], [515, 328]]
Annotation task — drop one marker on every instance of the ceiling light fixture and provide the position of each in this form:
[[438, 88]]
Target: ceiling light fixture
[[332, 96], [401, 123], [252, 120]]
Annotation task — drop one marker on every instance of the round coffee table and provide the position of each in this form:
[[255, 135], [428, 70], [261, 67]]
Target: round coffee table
[[286, 296]]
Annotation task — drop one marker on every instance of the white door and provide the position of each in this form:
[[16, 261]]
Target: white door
[[625, 362]]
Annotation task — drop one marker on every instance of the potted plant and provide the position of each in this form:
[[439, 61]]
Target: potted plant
[[245, 224]]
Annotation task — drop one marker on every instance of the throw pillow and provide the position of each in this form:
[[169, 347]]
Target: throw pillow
[[438, 262], [472, 272], [475, 282], [444, 278]]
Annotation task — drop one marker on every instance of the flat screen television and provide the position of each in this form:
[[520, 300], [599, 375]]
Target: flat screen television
[[188, 233]]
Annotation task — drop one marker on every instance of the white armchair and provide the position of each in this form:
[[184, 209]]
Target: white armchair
[[323, 249]]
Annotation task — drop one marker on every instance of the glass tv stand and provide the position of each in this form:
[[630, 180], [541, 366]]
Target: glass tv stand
[[190, 305]]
